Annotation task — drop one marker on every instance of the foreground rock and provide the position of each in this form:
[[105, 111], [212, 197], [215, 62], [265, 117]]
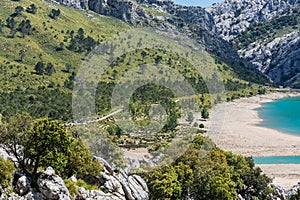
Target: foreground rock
[[281, 193], [51, 186], [117, 186]]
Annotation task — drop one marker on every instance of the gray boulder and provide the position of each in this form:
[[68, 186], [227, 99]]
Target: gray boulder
[[22, 186], [31, 195], [52, 187], [137, 189], [84, 194]]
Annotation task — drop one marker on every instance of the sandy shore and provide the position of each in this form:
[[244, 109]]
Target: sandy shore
[[238, 132]]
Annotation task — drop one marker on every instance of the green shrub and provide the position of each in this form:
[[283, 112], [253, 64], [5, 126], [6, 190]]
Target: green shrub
[[6, 172], [85, 185], [73, 189], [73, 186], [80, 161]]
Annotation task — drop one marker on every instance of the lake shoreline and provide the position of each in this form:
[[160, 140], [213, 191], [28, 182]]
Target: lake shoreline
[[241, 134]]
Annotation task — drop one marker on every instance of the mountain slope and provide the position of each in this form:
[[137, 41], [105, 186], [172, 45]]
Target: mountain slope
[[266, 33], [39, 63], [165, 15]]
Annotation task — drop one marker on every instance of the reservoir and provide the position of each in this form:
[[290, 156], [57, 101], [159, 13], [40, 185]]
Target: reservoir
[[282, 115]]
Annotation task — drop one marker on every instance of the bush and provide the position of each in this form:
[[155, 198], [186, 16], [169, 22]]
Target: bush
[[73, 189], [201, 126], [6, 170], [73, 186], [48, 144], [206, 172], [80, 161]]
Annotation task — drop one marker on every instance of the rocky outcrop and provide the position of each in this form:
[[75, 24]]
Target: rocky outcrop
[[51, 186], [120, 184], [281, 193], [279, 58], [126, 10], [22, 186], [117, 186], [234, 16]]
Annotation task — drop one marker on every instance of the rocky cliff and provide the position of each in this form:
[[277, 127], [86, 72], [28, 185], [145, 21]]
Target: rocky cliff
[[234, 16], [278, 58], [266, 33]]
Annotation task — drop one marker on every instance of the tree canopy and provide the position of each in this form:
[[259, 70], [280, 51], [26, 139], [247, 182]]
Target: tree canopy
[[208, 174]]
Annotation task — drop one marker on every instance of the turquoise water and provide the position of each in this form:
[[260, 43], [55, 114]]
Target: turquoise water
[[277, 160], [282, 115]]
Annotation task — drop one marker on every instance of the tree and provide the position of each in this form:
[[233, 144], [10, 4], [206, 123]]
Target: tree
[[201, 125], [47, 144], [1, 26], [208, 173], [80, 162], [19, 10], [61, 47], [13, 137], [54, 13], [204, 113], [39, 68], [31, 9], [80, 33], [22, 55], [165, 183], [72, 34], [49, 69], [190, 117], [25, 28], [10, 23]]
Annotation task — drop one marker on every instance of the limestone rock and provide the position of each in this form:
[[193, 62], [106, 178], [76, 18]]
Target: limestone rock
[[84, 194], [52, 187], [22, 186], [103, 162], [233, 16], [73, 179], [137, 189]]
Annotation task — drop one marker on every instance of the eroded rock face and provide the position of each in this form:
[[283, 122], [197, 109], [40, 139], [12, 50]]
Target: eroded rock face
[[279, 58], [119, 185], [233, 16], [52, 187]]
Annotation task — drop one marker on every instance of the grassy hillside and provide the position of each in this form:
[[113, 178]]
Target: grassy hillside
[[46, 37], [39, 60]]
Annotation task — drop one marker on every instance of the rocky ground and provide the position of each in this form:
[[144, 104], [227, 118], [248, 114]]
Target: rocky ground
[[117, 186]]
